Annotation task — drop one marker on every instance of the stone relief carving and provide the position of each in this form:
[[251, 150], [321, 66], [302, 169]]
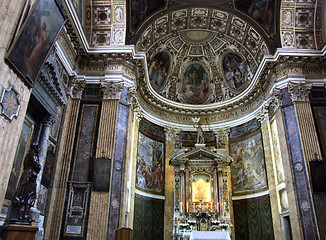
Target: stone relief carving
[[288, 39]]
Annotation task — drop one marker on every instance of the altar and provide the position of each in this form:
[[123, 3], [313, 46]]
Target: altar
[[207, 235], [201, 193]]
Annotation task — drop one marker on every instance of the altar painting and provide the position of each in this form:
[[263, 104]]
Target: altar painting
[[158, 70], [149, 173], [201, 188], [236, 71], [248, 167], [195, 83], [277, 153]]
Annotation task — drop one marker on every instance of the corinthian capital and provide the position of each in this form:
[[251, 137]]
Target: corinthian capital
[[112, 90], [299, 91], [172, 134], [221, 136], [77, 87], [132, 97]]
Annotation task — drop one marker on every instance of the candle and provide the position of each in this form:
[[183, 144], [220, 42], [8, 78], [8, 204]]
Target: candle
[[217, 208], [211, 207], [194, 207], [187, 206], [180, 207]]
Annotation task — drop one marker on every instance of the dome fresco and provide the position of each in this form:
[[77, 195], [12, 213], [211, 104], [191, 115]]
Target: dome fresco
[[158, 70], [194, 84], [236, 71], [205, 56]]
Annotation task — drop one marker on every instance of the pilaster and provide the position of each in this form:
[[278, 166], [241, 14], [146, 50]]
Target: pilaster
[[294, 213], [171, 135], [98, 220], [130, 168], [59, 187], [270, 171], [299, 149]]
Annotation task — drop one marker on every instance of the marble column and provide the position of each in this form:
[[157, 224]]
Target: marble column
[[46, 123], [220, 191], [215, 187], [98, 220], [59, 187]]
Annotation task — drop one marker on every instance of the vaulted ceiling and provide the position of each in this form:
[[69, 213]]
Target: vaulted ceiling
[[193, 57]]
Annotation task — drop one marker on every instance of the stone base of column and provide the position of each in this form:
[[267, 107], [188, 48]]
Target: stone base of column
[[18, 232]]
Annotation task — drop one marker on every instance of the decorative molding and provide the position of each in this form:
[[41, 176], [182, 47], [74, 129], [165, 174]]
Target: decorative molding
[[263, 114], [51, 81], [112, 90], [299, 91]]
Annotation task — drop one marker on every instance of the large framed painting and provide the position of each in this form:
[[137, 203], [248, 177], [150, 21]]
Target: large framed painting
[[201, 188], [248, 166], [34, 42], [150, 165]]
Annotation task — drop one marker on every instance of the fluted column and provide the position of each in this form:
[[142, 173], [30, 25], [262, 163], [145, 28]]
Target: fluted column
[[300, 97], [59, 187]]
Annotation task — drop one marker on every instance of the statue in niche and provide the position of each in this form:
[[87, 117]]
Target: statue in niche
[[25, 195]]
